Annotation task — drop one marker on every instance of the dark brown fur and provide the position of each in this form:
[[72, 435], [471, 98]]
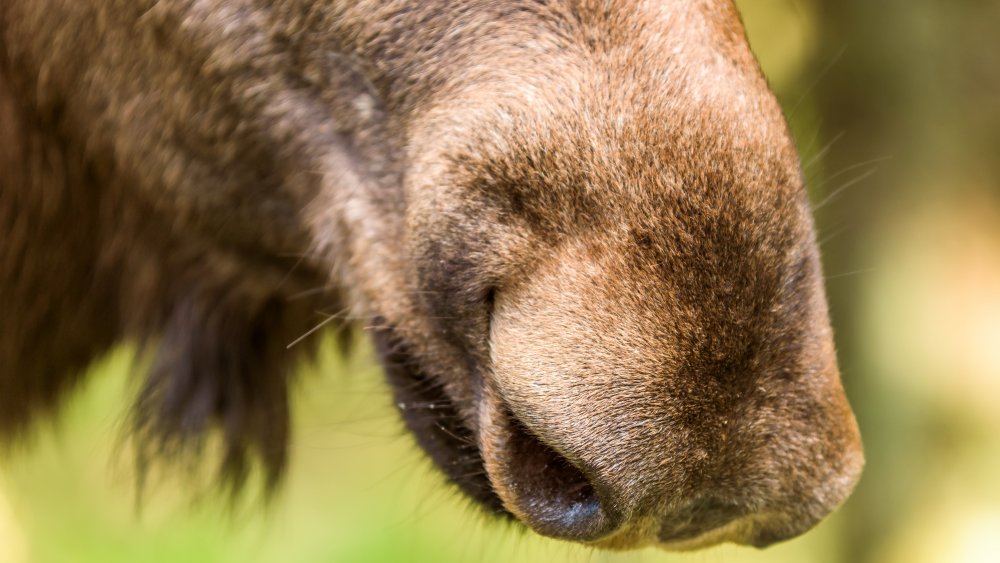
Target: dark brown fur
[[579, 227]]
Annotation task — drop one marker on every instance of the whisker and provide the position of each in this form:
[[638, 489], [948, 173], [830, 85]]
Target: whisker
[[345, 317], [853, 167], [329, 319], [462, 439], [291, 270], [430, 405], [822, 152], [819, 77], [832, 235], [860, 178], [308, 293], [848, 274], [470, 474], [813, 138]]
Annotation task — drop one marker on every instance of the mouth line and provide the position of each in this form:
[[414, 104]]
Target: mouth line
[[737, 531], [434, 421]]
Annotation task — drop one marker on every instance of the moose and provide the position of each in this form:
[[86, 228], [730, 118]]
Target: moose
[[578, 228]]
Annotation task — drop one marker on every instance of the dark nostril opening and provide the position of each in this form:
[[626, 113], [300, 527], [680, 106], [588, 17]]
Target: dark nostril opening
[[554, 495]]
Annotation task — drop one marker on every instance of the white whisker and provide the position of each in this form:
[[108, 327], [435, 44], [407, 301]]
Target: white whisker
[[822, 152], [851, 168], [860, 178], [848, 274], [325, 322], [819, 77]]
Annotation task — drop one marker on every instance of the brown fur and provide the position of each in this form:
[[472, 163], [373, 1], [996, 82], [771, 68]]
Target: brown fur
[[579, 227]]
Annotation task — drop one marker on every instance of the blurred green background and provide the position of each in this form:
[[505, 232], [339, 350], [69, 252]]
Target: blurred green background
[[895, 106]]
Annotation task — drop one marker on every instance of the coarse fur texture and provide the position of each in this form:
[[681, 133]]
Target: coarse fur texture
[[578, 228]]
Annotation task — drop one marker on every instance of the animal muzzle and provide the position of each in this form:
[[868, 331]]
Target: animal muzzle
[[610, 418], [621, 496]]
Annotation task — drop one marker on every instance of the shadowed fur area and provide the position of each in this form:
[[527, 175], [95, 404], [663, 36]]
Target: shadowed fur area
[[576, 231]]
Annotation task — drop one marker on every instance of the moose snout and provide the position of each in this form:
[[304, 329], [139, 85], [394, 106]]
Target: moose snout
[[601, 422], [621, 470], [621, 497]]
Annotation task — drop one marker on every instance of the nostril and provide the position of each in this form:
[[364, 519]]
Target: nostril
[[546, 490], [558, 492]]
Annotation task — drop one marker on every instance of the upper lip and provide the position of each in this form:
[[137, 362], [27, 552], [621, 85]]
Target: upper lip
[[440, 430]]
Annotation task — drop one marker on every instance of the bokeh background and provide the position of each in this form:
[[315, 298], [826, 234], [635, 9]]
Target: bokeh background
[[895, 106]]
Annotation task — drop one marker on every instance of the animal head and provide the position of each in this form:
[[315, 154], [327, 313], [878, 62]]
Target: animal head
[[579, 227]]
